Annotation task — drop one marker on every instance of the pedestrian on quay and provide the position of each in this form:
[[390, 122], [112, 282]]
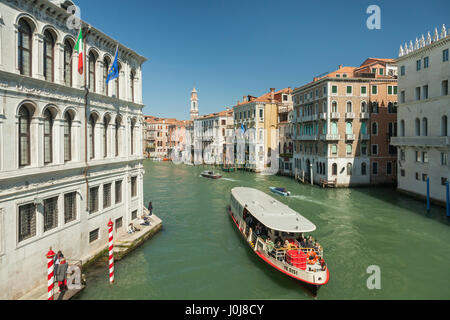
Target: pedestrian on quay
[[61, 274], [57, 260], [150, 208]]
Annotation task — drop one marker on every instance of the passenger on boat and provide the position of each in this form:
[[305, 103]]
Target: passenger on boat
[[303, 243], [278, 239], [288, 245], [270, 245], [258, 230], [310, 242]]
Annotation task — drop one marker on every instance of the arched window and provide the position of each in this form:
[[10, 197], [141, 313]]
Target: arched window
[[444, 126], [49, 52], [363, 169], [363, 106], [67, 137], [48, 137], [349, 127], [417, 127], [118, 82], [105, 136], [117, 132], [24, 47], [24, 136], [334, 127], [402, 128], [349, 106], [92, 61], [363, 127], [68, 52], [91, 136], [132, 77], [106, 65], [132, 137], [334, 106], [425, 127], [349, 169], [334, 169], [375, 128]]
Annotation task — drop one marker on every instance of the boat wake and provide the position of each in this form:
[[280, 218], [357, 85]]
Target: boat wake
[[304, 198], [229, 179]]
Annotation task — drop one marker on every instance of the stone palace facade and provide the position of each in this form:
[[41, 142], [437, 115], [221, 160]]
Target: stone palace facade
[[70, 157]]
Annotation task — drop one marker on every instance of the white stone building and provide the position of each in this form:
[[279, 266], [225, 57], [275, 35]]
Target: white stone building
[[70, 158], [423, 116], [210, 137]]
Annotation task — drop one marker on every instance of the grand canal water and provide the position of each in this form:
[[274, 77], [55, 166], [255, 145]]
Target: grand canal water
[[199, 254]]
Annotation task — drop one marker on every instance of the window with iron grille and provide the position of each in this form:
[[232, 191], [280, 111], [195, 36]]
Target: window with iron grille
[[119, 223], [70, 207], [118, 191], [107, 195], [133, 187], [27, 221], [93, 200], [134, 215], [50, 213], [93, 235]]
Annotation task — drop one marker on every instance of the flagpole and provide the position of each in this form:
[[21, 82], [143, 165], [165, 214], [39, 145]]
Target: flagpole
[[86, 93]]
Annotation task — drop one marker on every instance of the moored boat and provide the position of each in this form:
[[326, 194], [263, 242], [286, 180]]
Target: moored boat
[[262, 220], [280, 191], [211, 175]]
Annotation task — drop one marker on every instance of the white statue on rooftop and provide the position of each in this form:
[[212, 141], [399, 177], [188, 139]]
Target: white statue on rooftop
[[416, 44], [436, 35], [411, 48], [401, 52], [443, 32], [422, 42], [428, 39]]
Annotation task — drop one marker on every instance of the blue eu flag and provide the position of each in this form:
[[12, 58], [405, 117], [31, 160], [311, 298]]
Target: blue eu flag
[[243, 128], [113, 72]]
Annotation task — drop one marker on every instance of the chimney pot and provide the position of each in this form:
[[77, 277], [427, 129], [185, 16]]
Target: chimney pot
[[340, 66]]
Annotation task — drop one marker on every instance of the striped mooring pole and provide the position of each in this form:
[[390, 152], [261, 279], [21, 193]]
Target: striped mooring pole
[[111, 254], [50, 274], [428, 195]]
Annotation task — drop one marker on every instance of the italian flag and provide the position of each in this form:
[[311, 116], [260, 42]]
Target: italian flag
[[79, 49]]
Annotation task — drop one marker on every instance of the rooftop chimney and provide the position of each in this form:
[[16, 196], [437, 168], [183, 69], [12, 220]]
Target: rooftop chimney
[[272, 95], [244, 98], [340, 66]]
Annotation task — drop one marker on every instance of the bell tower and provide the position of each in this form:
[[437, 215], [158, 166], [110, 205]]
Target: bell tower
[[194, 104]]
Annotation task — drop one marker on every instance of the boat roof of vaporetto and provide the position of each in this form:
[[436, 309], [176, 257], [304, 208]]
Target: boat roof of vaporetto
[[271, 212]]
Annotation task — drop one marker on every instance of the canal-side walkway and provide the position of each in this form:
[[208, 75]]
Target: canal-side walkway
[[123, 245]]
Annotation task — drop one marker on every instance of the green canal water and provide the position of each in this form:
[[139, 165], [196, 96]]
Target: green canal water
[[200, 255]]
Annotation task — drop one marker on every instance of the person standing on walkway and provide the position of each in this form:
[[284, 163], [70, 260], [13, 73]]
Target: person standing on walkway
[[150, 208], [57, 260], [61, 274]]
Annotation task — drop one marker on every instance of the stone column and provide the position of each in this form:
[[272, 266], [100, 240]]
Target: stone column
[[58, 141], [38, 56], [59, 63]]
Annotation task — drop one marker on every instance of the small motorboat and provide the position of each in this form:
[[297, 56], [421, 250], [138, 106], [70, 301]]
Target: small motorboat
[[211, 175], [280, 191]]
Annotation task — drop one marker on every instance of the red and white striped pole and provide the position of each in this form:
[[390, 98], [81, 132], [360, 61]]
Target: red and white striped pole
[[50, 274], [111, 254]]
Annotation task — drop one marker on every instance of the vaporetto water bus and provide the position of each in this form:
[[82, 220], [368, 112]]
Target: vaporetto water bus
[[261, 220]]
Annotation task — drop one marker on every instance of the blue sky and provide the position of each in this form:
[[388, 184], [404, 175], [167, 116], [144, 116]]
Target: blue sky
[[228, 49]]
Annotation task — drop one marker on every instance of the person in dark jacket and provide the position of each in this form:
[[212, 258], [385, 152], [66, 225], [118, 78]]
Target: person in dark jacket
[[150, 208], [61, 274]]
